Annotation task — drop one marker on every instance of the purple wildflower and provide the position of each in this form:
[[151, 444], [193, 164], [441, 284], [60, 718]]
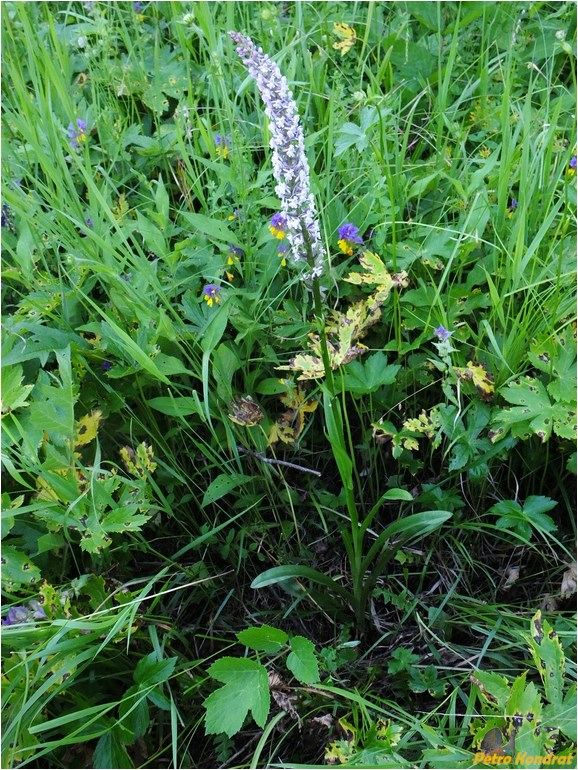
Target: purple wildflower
[[282, 250], [573, 162], [222, 144], [137, 7], [442, 333], [15, 616], [290, 167], [211, 294], [348, 235], [106, 366], [77, 133], [278, 226], [6, 216], [235, 253], [37, 610]]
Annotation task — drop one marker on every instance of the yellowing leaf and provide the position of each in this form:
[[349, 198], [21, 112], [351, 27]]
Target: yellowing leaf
[[87, 428], [289, 426], [347, 35], [140, 463], [482, 379], [422, 424], [343, 330]]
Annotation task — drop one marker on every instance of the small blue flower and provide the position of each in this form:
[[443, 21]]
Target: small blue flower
[[77, 133], [15, 616], [278, 225], [442, 333], [211, 294], [348, 235], [222, 145]]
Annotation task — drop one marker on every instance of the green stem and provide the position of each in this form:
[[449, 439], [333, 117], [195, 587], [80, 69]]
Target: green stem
[[337, 415]]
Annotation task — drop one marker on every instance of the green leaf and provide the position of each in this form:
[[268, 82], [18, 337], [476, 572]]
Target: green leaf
[[533, 413], [110, 751], [361, 378], [178, 406], [263, 639], [222, 485], [302, 662], [562, 716], [521, 519], [524, 716], [215, 328], [149, 670], [212, 227], [133, 713], [494, 689], [548, 657], [14, 393], [153, 238], [17, 569], [280, 574], [246, 688]]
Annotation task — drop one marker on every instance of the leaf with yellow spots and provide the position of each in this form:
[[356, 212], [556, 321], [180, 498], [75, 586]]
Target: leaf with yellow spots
[[87, 428], [348, 37], [422, 424], [289, 426], [376, 274], [481, 378], [140, 463]]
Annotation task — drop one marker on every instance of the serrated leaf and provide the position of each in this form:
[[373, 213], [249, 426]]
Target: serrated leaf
[[548, 656], [263, 639], [482, 379], [361, 378], [149, 670], [246, 689], [302, 662], [494, 688], [110, 751], [533, 413], [14, 393]]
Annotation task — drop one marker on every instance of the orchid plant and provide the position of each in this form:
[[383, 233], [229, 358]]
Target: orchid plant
[[298, 222]]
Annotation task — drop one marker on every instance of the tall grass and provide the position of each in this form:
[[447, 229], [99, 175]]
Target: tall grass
[[138, 514]]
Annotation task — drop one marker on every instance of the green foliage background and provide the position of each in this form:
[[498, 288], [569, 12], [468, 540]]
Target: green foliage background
[[139, 520]]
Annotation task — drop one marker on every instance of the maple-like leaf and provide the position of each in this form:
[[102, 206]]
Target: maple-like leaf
[[533, 413], [245, 688]]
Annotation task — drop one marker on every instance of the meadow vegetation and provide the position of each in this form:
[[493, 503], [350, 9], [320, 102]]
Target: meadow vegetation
[[265, 513]]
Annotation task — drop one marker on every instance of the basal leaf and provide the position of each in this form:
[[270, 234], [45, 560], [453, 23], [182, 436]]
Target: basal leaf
[[222, 485], [302, 662], [246, 688]]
